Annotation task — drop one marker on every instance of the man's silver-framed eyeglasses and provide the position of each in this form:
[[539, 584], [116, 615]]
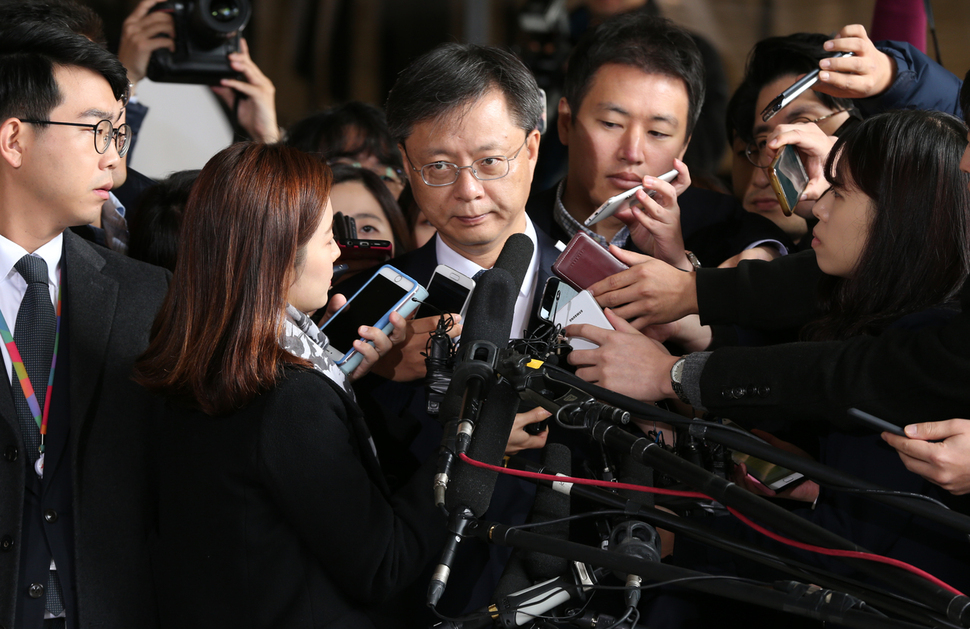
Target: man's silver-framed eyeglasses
[[440, 174], [755, 151], [104, 133]]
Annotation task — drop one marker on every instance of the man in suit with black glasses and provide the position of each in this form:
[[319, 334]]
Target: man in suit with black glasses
[[74, 508]]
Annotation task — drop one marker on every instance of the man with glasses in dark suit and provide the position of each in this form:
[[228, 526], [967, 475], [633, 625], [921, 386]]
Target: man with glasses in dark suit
[[73, 501]]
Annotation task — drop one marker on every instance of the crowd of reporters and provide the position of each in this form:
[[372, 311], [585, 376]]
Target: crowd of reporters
[[209, 463]]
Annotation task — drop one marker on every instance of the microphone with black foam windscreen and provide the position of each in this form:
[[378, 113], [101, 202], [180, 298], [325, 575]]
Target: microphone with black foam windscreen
[[634, 537], [554, 583], [470, 490], [480, 324], [516, 257], [486, 332], [484, 406], [549, 506], [533, 583]]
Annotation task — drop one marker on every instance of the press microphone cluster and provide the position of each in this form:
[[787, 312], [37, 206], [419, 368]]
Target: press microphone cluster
[[478, 408]]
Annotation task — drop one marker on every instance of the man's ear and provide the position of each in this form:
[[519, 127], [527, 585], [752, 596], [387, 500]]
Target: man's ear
[[11, 141], [564, 121]]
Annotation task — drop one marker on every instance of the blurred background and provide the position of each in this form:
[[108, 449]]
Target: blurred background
[[322, 52]]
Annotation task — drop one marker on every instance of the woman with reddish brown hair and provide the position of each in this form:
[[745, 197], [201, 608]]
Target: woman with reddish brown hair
[[272, 509]]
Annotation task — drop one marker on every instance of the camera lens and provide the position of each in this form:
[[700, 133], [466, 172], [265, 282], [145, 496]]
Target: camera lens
[[225, 11]]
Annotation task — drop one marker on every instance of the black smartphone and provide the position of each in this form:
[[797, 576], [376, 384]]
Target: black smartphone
[[873, 422]]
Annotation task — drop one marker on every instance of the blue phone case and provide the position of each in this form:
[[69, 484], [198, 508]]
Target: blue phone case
[[404, 307]]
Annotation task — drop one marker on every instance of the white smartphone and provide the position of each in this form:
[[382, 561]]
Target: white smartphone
[[582, 309], [387, 291], [448, 291], [623, 200]]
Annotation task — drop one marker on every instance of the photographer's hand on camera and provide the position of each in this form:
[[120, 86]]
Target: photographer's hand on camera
[[143, 32], [257, 107]]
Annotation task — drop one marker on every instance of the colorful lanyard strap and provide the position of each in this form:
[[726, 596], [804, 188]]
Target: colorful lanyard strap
[[21, 371]]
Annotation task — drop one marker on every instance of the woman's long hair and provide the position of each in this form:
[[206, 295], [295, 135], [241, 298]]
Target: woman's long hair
[[917, 253], [251, 212]]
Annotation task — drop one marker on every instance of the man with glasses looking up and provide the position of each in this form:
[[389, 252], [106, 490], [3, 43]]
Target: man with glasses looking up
[[465, 118], [73, 498]]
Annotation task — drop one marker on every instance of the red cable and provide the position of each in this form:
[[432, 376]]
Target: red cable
[[581, 481], [693, 494], [845, 553]]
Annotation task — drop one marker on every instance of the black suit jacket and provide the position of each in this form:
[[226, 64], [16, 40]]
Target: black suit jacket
[[272, 517], [714, 225], [903, 376], [110, 303]]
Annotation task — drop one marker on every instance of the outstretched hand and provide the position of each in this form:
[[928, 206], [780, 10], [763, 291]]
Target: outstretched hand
[[650, 291], [868, 72], [626, 361], [937, 451]]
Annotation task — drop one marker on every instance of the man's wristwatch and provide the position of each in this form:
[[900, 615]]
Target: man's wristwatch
[[694, 262], [676, 379]]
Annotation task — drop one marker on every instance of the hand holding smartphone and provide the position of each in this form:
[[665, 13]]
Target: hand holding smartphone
[[788, 178], [582, 309], [387, 291], [623, 200], [584, 262]]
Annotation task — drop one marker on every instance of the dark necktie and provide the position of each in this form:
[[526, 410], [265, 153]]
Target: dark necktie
[[34, 337]]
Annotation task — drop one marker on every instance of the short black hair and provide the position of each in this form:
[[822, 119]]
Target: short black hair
[[67, 14], [458, 75], [652, 44], [739, 120], [29, 52], [775, 57], [347, 130], [155, 221]]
